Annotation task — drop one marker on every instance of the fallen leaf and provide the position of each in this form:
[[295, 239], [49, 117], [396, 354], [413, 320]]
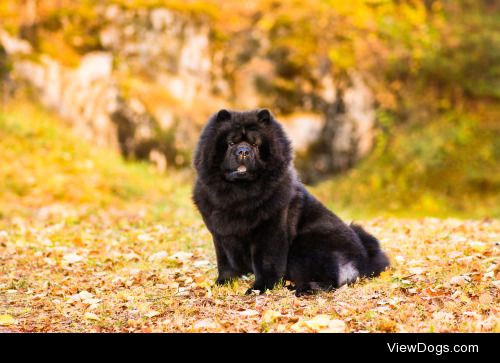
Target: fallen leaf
[[299, 327], [459, 280], [151, 313], [84, 295], [416, 270], [334, 326], [478, 246], [7, 320], [270, 316], [91, 301], [181, 256], [206, 324], [249, 312], [485, 298], [72, 258], [386, 325], [200, 263], [93, 307], [158, 256], [386, 275], [91, 316], [132, 256], [144, 237], [318, 322]]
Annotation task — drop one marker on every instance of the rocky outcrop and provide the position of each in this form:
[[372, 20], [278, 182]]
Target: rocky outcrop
[[159, 44], [347, 133], [90, 100], [158, 77], [85, 96]]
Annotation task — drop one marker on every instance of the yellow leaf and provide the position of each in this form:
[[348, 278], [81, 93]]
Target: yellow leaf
[[144, 237], [181, 256], [270, 315], [132, 256], [459, 280], [299, 327], [386, 275], [386, 325], [206, 324], [249, 312], [416, 270], [7, 320], [203, 284], [334, 326], [478, 246], [318, 322], [485, 298], [91, 316], [158, 256], [91, 301], [151, 313], [72, 258]]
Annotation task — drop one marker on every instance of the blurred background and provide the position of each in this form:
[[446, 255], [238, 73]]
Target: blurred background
[[392, 106]]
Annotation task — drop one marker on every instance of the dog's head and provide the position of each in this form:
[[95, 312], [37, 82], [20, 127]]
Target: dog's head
[[242, 147]]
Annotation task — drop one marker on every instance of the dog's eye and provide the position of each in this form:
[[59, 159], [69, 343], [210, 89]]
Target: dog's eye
[[254, 144], [230, 143]]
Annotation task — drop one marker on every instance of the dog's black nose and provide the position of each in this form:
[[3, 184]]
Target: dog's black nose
[[243, 151]]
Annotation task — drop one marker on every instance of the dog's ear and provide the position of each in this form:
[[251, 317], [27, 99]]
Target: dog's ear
[[223, 115], [264, 116]]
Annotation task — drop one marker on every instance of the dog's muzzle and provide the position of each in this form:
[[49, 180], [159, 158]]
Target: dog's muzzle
[[243, 151]]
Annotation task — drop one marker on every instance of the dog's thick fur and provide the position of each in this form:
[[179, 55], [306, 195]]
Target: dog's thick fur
[[262, 218]]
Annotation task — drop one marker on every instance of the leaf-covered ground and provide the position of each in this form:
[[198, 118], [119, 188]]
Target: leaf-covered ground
[[90, 243]]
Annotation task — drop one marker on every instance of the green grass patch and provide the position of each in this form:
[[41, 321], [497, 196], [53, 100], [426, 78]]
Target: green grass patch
[[43, 163], [448, 167]]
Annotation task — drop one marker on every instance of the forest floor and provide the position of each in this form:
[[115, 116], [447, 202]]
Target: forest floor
[[89, 243]]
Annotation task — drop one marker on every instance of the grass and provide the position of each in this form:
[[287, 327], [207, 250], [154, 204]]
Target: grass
[[89, 242], [445, 168], [44, 163]]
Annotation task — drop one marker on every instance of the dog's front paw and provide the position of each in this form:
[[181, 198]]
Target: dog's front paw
[[304, 292], [257, 288], [223, 281], [251, 291]]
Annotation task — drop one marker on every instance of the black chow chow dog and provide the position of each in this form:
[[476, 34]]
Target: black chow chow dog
[[261, 217]]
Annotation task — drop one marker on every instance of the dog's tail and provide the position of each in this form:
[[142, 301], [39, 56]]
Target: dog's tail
[[378, 260]]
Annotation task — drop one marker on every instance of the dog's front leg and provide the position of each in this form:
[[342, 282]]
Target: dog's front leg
[[224, 268], [269, 255]]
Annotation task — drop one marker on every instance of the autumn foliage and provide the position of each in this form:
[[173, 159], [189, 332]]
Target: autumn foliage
[[87, 244], [92, 243]]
